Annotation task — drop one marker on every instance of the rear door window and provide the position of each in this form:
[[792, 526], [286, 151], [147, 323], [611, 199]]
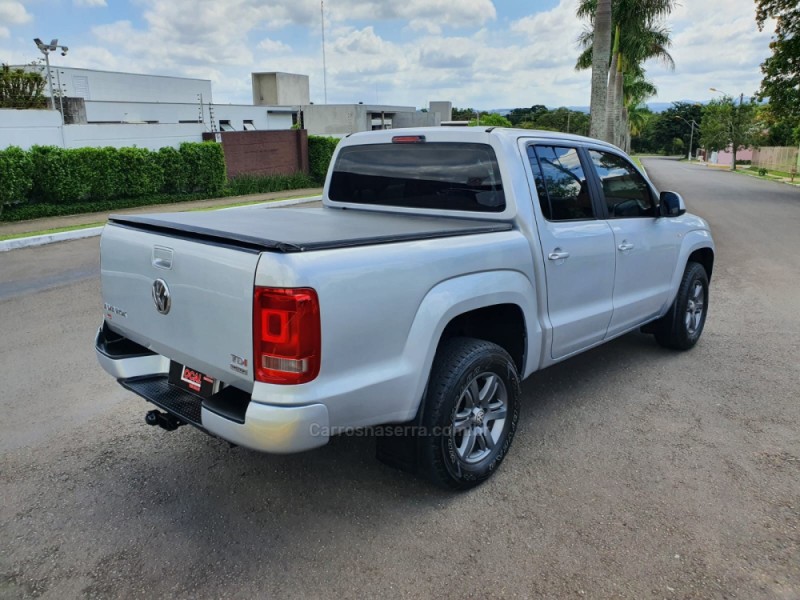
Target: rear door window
[[560, 183], [433, 175]]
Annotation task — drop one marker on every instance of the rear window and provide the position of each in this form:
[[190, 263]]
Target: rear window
[[437, 175]]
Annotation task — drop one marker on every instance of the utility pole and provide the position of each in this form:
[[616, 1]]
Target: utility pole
[[324, 65], [46, 49]]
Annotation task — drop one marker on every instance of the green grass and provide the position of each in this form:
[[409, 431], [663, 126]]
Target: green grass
[[14, 236], [638, 163], [770, 172]]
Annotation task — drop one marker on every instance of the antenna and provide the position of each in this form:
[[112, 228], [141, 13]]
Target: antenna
[[324, 65]]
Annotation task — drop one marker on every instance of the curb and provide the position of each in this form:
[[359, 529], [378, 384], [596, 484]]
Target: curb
[[78, 234]]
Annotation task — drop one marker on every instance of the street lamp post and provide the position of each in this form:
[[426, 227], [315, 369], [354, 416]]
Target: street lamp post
[[692, 124], [733, 126], [46, 49]]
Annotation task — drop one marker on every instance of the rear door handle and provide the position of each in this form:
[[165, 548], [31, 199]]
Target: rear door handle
[[558, 254], [625, 246]]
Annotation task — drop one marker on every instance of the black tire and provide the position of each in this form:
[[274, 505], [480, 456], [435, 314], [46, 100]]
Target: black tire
[[677, 330], [460, 363]]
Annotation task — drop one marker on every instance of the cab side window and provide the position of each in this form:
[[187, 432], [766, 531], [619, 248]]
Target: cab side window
[[626, 192], [560, 183]]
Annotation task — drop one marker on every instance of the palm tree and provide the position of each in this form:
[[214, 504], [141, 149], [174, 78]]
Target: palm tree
[[635, 113], [638, 36], [600, 12]]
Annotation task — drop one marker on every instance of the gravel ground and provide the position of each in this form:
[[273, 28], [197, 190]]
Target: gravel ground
[[635, 473]]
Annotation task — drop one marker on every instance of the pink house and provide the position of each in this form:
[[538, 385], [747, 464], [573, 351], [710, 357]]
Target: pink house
[[725, 157]]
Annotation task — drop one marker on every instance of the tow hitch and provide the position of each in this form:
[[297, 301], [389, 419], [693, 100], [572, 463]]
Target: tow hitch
[[163, 420]]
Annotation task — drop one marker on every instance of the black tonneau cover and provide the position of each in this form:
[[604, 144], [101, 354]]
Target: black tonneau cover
[[302, 229]]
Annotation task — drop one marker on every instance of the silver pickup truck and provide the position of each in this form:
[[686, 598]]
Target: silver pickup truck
[[445, 266]]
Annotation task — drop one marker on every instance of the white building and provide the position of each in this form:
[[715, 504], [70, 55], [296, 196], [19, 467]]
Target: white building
[[103, 108]]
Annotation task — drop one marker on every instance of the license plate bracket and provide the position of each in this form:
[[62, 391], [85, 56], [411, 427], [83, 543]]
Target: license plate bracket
[[191, 380]]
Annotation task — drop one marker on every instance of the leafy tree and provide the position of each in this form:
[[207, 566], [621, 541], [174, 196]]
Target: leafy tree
[[490, 120], [781, 71], [463, 114], [727, 124], [640, 116], [520, 115], [22, 88], [638, 36], [676, 122], [775, 130], [561, 119]]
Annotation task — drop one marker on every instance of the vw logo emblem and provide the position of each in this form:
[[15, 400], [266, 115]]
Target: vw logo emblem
[[161, 296]]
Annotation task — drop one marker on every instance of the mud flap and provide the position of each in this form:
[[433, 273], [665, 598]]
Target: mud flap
[[400, 451]]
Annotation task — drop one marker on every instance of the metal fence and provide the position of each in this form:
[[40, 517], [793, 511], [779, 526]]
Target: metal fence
[[776, 158]]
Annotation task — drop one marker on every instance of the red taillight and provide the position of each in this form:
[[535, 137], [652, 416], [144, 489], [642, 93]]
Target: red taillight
[[286, 335], [408, 139]]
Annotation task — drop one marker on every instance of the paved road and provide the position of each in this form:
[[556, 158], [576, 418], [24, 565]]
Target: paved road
[[636, 472]]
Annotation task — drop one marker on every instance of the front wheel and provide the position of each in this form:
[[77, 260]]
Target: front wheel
[[681, 327], [470, 413]]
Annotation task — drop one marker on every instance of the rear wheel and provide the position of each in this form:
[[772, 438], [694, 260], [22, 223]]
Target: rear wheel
[[470, 413], [682, 326]]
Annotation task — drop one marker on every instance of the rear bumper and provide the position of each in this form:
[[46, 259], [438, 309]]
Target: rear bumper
[[230, 414]]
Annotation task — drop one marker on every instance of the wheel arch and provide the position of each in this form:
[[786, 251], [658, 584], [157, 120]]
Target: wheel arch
[[704, 256], [698, 247], [501, 324], [472, 305]]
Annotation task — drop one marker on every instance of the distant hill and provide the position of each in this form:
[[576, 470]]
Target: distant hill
[[656, 107]]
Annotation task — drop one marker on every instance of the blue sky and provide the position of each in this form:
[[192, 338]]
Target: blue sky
[[479, 53]]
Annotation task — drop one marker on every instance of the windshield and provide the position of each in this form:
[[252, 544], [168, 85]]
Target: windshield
[[434, 175]]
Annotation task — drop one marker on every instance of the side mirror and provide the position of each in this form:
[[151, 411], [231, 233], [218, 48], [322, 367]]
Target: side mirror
[[671, 204]]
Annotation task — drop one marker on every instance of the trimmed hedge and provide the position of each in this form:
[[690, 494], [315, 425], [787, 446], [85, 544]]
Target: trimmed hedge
[[16, 175], [238, 186], [47, 181], [320, 152], [262, 184], [204, 166], [80, 175]]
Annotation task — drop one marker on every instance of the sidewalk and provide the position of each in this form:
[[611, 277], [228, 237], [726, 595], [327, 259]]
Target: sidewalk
[[47, 223]]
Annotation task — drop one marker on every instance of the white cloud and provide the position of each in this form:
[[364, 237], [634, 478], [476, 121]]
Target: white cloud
[[13, 13], [274, 46], [90, 3], [406, 52], [725, 55], [4, 32]]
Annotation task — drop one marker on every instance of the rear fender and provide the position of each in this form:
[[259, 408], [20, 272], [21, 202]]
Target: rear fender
[[457, 296]]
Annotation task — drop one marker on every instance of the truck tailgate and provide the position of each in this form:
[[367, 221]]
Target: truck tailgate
[[208, 324]]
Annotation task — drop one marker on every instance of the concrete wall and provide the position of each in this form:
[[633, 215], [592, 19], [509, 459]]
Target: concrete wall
[[263, 152], [444, 109], [341, 119], [26, 128], [777, 158], [416, 119], [143, 135], [725, 157], [280, 89], [262, 117], [107, 85]]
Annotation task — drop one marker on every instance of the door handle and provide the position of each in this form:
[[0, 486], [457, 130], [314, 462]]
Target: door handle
[[558, 254], [625, 246]]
